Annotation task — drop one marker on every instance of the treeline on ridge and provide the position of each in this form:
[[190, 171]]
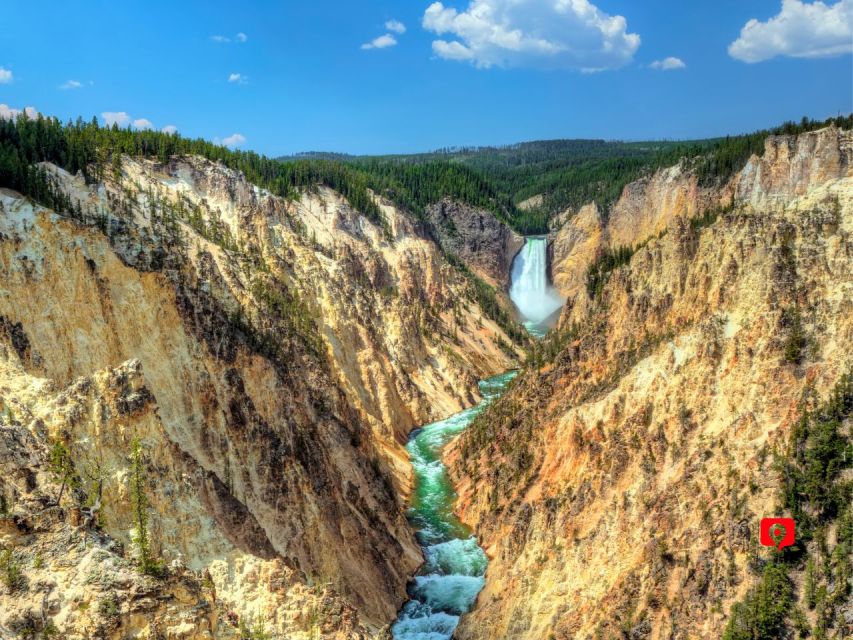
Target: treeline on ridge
[[566, 173], [571, 173], [92, 150]]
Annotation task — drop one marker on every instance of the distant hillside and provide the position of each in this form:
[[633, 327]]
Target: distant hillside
[[318, 155], [557, 174], [564, 172]]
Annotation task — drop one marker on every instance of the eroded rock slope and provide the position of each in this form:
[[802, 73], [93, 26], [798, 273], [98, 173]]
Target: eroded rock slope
[[617, 488], [268, 356], [476, 237]]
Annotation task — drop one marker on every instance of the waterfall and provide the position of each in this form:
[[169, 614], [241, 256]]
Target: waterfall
[[530, 290]]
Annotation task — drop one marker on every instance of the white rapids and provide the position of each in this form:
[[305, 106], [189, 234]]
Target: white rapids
[[452, 575]]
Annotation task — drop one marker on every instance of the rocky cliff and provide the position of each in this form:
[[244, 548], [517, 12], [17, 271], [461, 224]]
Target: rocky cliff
[[617, 488], [267, 358], [479, 239], [644, 210], [790, 166]]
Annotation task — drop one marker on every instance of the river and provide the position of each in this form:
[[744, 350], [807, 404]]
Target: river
[[453, 573], [449, 581]]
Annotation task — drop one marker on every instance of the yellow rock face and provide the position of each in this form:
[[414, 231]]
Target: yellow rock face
[[619, 489], [270, 357]]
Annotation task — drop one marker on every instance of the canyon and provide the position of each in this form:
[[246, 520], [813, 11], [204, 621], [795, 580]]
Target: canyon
[[338, 434]]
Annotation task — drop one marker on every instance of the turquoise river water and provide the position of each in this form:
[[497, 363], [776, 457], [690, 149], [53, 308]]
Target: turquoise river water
[[453, 574]]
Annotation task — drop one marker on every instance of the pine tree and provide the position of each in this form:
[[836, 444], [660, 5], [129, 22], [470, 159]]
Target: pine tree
[[139, 506], [809, 584], [62, 468], [115, 163]]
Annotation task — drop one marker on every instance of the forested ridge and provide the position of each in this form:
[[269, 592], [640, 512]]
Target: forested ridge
[[97, 151], [93, 150], [566, 173]]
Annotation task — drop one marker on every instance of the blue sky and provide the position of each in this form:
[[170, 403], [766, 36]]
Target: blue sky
[[464, 72]]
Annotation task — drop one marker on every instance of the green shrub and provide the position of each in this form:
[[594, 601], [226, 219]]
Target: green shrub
[[10, 571], [108, 606], [49, 631], [599, 271], [708, 217], [253, 632], [765, 609], [795, 340], [61, 467], [809, 584], [818, 452], [296, 319]]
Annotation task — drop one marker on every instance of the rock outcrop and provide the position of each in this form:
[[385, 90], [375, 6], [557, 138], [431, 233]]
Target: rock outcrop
[[483, 242], [617, 490], [644, 210], [77, 577]]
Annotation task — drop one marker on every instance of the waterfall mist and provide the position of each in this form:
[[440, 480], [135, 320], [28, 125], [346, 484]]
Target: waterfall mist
[[534, 297]]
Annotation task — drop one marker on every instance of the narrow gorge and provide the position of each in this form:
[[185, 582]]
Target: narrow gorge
[[447, 585], [452, 576], [267, 357], [246, 399]]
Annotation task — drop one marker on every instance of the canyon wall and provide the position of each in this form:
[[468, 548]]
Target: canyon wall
[[476, 237], [644, 210], [267, 357], [790, 166], [617, 487]]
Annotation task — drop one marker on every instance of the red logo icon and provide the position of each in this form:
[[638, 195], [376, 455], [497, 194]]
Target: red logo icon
[[777, 532]]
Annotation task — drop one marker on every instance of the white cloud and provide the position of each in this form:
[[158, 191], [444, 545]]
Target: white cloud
[[234, 140], [396, 26], [452, 50], [571, 34], [5, 76], [122, 119], [170, 129], [801, 30], [386, 39], [668, 64], [220, 39], [382, 42], [238, 78], [71, 84], [8, 113], [115, 117]]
